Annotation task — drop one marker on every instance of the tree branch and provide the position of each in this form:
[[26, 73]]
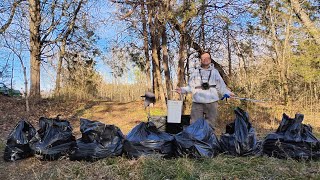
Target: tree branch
[[13, 10]]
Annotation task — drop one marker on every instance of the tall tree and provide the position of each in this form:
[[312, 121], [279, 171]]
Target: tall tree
[[165, 59], [155, 38], [304, 18], [145, 43], [65, 35], [277, 18], [35, 47]]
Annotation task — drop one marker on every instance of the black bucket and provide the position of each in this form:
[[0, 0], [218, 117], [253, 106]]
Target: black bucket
[[172, 128]]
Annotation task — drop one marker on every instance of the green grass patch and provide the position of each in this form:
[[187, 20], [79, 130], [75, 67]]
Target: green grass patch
[[2, 145], [220, 167], [158, 112], [226, 167]]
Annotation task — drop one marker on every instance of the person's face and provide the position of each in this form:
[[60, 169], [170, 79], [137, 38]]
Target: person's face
[[205, 59]]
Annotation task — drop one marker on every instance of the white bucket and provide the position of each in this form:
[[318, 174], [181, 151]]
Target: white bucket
[[174, 111]]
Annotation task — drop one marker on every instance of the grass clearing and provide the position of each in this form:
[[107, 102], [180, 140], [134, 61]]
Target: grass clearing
[[220, 167]]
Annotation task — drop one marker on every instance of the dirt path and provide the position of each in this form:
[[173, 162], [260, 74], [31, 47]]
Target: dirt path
[[123, 115]]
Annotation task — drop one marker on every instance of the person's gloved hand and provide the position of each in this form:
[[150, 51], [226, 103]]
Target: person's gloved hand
[[225, 96], [178, 90]]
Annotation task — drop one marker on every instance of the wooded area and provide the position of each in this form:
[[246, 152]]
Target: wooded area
[[262, 49]]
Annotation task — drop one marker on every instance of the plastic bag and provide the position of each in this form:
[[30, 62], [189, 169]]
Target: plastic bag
[[292, 140], [53, 140], [197, 140], [17, 146], [98, 141], [146, 140], [159, 121], [240, 138]]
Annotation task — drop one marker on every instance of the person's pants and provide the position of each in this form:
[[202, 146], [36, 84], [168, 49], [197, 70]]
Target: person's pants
[[209, 111]]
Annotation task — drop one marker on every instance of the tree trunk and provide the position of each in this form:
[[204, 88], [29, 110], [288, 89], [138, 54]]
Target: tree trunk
[[157, 39], [146, 45], [155, 57], [304, 18], [284, 63], [63, 47], [59, 68], [165, 58], [26, 95], [202, 35], [229, 52], [12, 74], [281, 51], [182, 57], [156, 66], [35, 47]]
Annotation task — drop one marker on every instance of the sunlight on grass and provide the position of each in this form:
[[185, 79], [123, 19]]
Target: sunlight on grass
[[221, 167]]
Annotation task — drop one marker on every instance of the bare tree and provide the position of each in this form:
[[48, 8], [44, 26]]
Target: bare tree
[[18, 53], [35, 47], [65, 35], [145, 43], [304, 18], [155, 38]]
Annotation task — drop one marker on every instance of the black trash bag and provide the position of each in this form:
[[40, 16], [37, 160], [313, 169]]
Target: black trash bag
[[98, 141], [292, 140], [146, 140], [175, 128], [159, 121], [197, 140], [171, 128], [17, 146], [53, 140], [240, 138]]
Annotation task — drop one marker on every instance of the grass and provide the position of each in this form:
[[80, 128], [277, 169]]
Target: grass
[[220, 167], [123, 115]]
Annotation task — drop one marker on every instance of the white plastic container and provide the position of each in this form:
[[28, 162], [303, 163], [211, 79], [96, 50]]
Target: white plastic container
[[174, 108]]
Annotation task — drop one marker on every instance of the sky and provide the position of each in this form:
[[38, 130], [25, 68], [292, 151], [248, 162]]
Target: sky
[[108, 31]]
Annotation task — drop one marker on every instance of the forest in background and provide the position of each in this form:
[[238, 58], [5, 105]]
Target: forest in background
[[263, 49]]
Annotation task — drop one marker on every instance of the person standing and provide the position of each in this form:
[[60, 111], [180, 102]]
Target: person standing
[[206, 86]]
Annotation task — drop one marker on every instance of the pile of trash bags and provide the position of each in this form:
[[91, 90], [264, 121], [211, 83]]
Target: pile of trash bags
[[55, 140], [292, 140]]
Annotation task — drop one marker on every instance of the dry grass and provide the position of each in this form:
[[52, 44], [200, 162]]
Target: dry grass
[[221, 167], [123, 115]]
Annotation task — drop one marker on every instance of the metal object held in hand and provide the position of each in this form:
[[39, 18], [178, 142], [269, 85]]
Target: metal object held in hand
[[247, 99]]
